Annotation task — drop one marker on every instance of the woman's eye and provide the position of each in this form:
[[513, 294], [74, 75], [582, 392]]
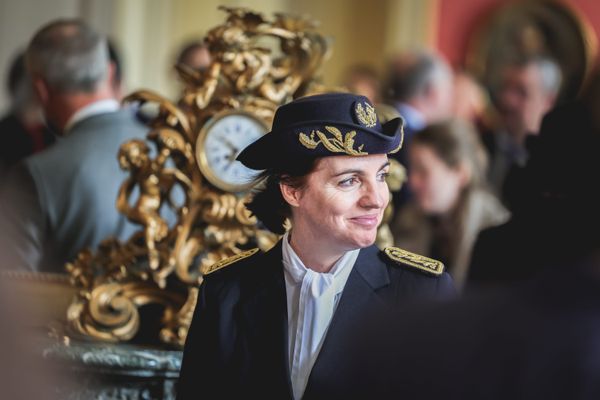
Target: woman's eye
[[348, 182], [383, 176]]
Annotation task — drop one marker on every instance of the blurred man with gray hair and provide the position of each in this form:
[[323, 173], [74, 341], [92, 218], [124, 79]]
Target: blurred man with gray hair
[[420, 88], [526, 89], [62, 200]]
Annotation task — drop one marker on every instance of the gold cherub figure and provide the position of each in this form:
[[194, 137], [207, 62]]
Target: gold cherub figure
[[155, 183]]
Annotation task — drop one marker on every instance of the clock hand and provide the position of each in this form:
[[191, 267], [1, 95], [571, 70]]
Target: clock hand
[[230, 145], [232, 156]]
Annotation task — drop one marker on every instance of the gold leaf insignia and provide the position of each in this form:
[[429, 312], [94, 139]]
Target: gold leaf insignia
[[335, 132], [307, 142], [339, 143], [366, 115], [349, 142], [330, 144], [422, 263], [228, 261]]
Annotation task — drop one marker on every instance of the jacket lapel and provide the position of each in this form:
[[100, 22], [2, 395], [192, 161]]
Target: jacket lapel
[[358, 299], [265, 325]]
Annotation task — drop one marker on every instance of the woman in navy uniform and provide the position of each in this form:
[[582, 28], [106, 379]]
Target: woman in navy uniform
[[274, 324]]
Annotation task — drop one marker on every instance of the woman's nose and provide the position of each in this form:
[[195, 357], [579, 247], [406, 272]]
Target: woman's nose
[[373, 195]]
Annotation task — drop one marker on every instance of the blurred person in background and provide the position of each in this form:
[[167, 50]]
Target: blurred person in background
[[450, 203], [363, 79], [22, 130], [419, 86], [527, 89], [470, 100], [557, 200], [194, 55], [191, 63], [537, 339], [62, 200]]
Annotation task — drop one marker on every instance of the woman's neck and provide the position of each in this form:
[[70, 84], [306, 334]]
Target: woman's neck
[[313, 253]]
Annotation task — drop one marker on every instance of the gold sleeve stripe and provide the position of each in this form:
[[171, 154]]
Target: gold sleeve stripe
[[228, 261], [423, 263]]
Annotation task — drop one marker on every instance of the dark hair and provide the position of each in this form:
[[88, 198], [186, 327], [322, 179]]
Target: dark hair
[[17, 74], [115, 57], [267, 203]]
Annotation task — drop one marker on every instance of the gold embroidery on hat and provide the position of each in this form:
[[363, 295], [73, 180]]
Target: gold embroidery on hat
[[337, 144], [366, 115], [401, 141]]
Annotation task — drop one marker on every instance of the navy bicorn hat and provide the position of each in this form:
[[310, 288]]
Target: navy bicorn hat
[[320, 126]]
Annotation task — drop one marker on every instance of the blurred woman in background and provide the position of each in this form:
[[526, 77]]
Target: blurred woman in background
[[450, 203]]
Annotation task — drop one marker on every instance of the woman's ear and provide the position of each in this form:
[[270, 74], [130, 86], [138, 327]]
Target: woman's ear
[[290, 194]]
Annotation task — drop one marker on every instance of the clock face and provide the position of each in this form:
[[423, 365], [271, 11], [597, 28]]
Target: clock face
[[220, 142]]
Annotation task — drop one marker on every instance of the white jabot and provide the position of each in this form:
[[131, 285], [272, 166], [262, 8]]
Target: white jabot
[[312, 298], [95, 108]]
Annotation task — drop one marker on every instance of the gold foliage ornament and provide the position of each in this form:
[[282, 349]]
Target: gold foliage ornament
[[337, 144], [188, 221]]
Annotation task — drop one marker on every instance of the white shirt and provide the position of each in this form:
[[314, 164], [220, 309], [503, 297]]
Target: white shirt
[[414, 118], [95, 108], [312, 298]]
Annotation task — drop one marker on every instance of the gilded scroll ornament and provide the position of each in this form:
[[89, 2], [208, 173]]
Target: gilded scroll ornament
[[186, 223]]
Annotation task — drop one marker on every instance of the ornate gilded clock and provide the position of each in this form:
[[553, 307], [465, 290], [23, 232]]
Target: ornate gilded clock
[[219, 142], [195, 142]]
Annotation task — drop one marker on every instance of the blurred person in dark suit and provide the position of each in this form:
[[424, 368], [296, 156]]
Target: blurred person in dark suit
[[535, 340], [562, 174], [420, 87], [22, 130], [527, 88], [62, 200]]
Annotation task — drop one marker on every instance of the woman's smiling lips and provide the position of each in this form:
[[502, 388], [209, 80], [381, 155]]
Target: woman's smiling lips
[[367, 221]]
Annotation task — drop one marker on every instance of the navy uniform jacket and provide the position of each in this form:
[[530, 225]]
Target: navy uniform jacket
[[237, 346]]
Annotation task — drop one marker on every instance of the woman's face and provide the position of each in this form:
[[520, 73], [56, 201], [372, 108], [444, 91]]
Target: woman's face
[[343, 200], [435, 185]]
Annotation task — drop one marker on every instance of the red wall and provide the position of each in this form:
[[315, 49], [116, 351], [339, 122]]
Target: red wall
[[460, 19]]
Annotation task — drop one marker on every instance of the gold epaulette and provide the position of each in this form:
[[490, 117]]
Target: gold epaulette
[[228, 261], [422, 263]]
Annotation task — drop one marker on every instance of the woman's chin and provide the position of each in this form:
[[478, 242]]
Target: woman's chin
[[365, 240]]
